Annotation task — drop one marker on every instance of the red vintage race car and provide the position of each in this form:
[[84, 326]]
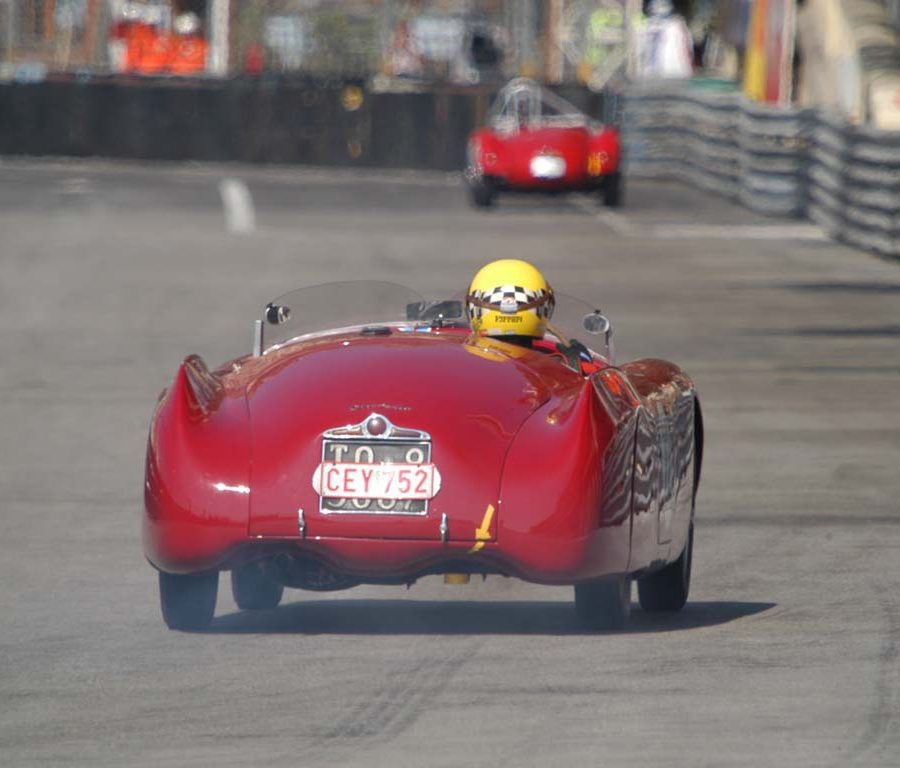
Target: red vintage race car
[[536, 141], [370, 437]]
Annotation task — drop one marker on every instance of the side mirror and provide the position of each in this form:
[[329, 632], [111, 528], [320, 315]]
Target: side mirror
[[597, 324], [276, 314]]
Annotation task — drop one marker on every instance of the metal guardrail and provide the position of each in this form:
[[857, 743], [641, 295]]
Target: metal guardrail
[[799, 163], [853, 179]]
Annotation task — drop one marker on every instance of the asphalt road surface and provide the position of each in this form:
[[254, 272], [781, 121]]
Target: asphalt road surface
[[786, 654]]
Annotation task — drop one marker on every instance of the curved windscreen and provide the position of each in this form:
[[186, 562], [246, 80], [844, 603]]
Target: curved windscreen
[[523, 103], [332, 306], [374, 305]]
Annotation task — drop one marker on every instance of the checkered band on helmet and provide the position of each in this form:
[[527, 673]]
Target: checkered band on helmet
[[510, 299], [475, 311]]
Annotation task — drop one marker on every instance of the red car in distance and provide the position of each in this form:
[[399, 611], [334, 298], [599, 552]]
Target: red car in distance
[[371, 438], [536, 141]]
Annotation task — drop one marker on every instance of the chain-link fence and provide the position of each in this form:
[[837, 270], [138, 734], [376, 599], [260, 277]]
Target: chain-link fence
[[399, 42]]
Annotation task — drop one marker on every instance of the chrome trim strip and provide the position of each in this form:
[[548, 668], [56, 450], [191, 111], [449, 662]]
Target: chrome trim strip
[[359, 431], [257, 338]]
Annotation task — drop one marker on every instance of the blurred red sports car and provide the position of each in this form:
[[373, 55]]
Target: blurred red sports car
[[371, 438], [537, 141]]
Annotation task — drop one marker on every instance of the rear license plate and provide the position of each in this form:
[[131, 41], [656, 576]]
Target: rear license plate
[[547, 167], [376, 477]]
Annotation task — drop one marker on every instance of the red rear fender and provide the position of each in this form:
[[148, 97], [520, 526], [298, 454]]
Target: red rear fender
[[485, 153], [651, 377], [552, 491], [196, 490], [605, 147]]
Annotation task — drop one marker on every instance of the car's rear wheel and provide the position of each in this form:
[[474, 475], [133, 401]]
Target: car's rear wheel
[[667, 589], [483, 191], [253, 589], [604, 604], [612, 190], [188, 601]]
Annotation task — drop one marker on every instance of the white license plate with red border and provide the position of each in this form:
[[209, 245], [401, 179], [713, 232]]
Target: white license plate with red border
[[378, 477], [399, 482], [547, 167]]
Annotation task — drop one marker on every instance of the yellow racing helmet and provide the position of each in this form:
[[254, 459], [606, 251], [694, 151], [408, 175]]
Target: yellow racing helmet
[[509, 297]]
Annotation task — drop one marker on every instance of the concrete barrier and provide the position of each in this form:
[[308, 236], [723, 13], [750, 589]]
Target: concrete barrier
[[789, 162]]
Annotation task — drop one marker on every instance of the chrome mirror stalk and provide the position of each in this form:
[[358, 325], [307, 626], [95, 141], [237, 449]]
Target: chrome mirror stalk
[[257, 338]]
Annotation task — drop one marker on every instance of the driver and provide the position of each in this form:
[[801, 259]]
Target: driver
[[511, 300]]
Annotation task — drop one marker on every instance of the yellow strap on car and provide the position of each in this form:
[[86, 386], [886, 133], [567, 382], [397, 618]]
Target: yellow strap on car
[[483, 532]]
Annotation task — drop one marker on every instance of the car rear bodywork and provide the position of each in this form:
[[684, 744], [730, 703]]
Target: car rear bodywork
[[544, 474], [587, 157], [534, 141]]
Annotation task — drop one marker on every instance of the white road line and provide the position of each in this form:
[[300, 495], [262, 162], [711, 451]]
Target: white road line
[[739, 232], [626, 228], [240, 216], [618, 223], [580, 201], [610, 219]]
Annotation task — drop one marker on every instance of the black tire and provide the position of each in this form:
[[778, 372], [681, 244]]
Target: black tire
[[612, 190], [604, 604], [253, 589], [667, 590], [188, 601], [482, 192]]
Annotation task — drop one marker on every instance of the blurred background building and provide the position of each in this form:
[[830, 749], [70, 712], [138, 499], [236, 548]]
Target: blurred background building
[[458, 41], [842, 54]]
